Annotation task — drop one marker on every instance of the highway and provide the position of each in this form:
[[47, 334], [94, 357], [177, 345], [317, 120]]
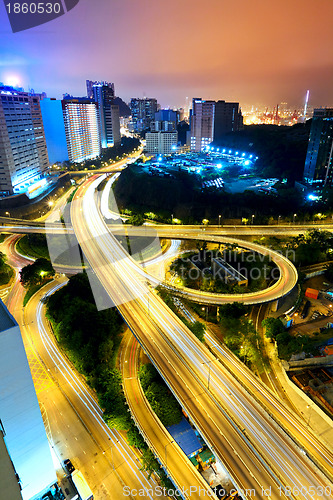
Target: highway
[[71, 414], [254, 449], [163, 445]]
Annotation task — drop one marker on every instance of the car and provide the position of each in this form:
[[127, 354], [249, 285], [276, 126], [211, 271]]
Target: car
[[69, 466]]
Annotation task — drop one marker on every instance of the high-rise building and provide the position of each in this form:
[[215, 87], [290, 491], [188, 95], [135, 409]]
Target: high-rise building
[[162, 143], [143, 113], [23, 151], [202, 124], [228, 118], [319, 156], [21, 423], [82, 128], [165, 121], [90, 84], [108, 114], [54, 128], [210, 120]]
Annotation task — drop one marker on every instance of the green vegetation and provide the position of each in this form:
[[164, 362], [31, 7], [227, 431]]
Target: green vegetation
[[305, 249], [6, 272], [240, 335], [273, 326], [33, 245], [3, 237], [36, 273], [160, 398], [71, 196], [32, 290], [135, 220], [197, 328], [257, 268], [91, 339], [287, 344], [182, 196]]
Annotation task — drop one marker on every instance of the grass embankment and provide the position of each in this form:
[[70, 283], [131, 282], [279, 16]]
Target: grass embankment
[[6, 274], [162, 401], [33, 246], [32, 290], [3, 237]]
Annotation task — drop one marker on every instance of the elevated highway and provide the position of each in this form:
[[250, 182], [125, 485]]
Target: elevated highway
[[256, 451]]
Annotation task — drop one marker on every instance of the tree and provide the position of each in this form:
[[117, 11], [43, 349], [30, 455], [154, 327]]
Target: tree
[[136, 220], [149, 462], [234, 310], [3, 260], [198, 329], [134, 438], [273, 326], [36, 273]]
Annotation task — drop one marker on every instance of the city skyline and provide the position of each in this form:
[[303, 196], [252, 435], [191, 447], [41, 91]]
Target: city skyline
[[250, 53]]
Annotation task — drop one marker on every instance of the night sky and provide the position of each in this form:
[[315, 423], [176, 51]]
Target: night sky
[[259, 52]]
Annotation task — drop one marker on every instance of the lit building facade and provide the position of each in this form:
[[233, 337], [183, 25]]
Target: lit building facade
[[23, 152], [162, 143], [54, 128], [143, 113], [108, 114], [81, 128], [319, 157], [202, 124], [165, 121], [22, 425], [91, 83]]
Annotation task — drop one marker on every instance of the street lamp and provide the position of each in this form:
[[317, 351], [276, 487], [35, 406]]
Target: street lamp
[[203, 308], [7, 213], [220, 220], [295, 215], [112, 452], [279, 219], [172, 219], [207, 363], [252, 218]]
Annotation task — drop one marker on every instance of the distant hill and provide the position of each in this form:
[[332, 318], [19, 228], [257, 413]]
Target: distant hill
[[124, 110]]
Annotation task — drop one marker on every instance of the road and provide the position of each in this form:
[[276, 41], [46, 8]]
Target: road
[[255, 451], [72, 417], [163, 445]]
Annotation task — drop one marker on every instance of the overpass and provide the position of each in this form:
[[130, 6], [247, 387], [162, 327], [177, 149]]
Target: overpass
[[257, 453]]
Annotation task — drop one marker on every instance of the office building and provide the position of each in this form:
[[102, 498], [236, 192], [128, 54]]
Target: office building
[[143, 113], [227, 118], [22, 426], [165, 120], [108, 114], [90, 84], [161, 143], [81, 128], [202, 124], [54, 128], [319, 161], [23, 152], [211, 120]]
